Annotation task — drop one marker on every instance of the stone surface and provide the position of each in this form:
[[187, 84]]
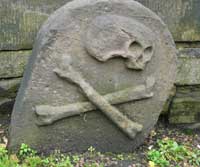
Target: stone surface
[[186, 103], [67, 71], [8, 92], [21, 19], [9, 87], [188, 67], [181, 16], [188, 73], [6, 106], [167, 106], [12, 64], [185, 108]]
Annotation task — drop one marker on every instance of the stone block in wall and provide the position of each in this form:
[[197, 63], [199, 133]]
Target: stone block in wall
[[188, 67], [185, 107], [12, 64], [181, 16], [8, 92], [21, 19]]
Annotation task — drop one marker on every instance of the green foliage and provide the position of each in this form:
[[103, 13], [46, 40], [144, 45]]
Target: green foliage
[[5, 159], [91, 149], [120, 157], [167, 153], [7, 162], [26, 151], [157, 157], [27, 157], [3, 152], [34, 161], [75, 159], [170, 152]]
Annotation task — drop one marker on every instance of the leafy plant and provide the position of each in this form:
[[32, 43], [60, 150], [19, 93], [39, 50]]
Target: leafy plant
[[75, 159], [91, 149], [167, 153], [3, 152], [35, 161], [170, 152], [157, 157], [66, 163], [6, 160], [120, 157], [26, 151]]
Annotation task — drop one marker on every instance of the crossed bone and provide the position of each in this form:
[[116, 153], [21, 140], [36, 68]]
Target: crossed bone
[[49, 114]]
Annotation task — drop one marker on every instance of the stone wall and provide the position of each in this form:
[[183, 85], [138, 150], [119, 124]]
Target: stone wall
[[20, 21], [185, 107]]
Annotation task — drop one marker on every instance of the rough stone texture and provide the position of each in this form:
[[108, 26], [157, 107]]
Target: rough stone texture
[[21, 19], [188, 67], [12, 64], [8, 92], [187, 78], [63, 35], [186, 103], [181, 16], [185, 107], [167, 106]]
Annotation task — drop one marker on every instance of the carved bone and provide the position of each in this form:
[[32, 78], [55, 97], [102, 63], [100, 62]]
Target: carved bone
[[49, 114]]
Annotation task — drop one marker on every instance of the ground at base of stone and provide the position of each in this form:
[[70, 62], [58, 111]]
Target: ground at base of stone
[[139, 157]]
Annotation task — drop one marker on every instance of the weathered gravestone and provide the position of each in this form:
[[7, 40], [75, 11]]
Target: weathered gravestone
[[100, 73]]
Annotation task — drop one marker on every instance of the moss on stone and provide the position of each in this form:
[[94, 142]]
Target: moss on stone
[[185, 110], [19, 27], [12, 64], [188, 67]]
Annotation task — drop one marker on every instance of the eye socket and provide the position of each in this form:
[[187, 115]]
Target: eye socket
[[148, 52], [135, 47]]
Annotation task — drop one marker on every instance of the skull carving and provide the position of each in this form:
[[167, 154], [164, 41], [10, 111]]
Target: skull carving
[[111, 36]]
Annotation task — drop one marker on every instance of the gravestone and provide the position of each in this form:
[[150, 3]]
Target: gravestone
[[99, 75]]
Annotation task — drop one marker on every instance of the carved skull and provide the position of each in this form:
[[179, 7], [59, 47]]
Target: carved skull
[[111, 36]]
